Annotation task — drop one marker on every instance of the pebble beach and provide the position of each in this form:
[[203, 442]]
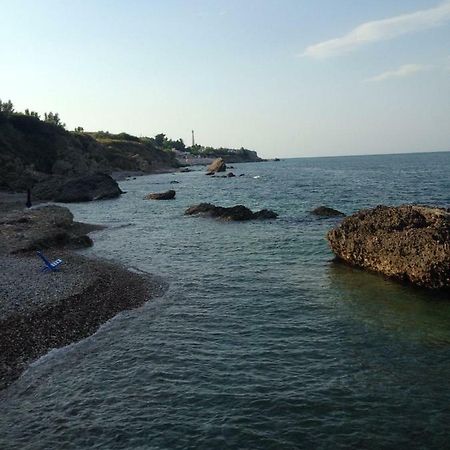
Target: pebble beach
[[41, 311]]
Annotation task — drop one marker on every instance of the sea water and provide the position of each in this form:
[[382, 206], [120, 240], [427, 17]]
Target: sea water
[[261, 341]]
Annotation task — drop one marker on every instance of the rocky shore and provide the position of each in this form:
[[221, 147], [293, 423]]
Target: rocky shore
[[40, 311]]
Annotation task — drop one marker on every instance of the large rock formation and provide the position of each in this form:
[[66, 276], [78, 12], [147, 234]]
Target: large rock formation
[[409, 243], [98, 186], [91, 187], [238, 212], [218, 165], [42, 228], [168, 195]]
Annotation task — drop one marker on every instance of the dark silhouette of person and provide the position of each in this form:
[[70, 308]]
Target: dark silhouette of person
[[28, 203]]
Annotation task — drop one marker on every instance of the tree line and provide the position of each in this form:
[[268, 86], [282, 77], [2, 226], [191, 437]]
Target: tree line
[[7, 109]]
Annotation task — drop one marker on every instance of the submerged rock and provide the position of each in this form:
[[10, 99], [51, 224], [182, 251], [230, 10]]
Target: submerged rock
[[325, 211], [168, 195], [238, 212], [409, 243], [218, 165]]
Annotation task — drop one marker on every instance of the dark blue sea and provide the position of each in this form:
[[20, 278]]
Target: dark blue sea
[[261, 341]]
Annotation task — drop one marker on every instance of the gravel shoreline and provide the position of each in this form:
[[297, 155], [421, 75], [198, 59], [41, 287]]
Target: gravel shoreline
[[42, 311]]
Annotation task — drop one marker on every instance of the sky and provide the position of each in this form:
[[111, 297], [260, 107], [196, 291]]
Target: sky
[[287, 78]]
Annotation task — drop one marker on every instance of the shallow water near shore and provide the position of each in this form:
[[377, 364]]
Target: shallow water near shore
[[261, 341]]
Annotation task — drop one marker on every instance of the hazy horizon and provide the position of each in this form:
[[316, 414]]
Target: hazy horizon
[[287, 79]]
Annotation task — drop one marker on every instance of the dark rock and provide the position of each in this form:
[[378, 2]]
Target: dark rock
[[42, 228], [185, 170], [324, 211], [238, 212], [174, 182], [91, 187], [242, 175], [265, 214], [277, 159], [231, 175], [168, 195], [218, 165], [83, 189], [408, 243]]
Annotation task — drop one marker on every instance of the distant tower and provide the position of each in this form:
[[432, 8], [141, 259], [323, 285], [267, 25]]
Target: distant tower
[[193, 140]]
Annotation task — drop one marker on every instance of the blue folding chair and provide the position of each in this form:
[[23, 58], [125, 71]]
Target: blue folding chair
[[53, 266]]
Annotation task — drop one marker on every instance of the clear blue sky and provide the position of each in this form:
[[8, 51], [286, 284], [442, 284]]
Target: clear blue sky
[[283, 77]]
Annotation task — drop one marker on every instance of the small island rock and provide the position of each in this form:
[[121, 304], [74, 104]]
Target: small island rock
[[235, 213], [168, 195]]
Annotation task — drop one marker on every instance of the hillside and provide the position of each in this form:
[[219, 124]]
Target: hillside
[[32, 150]]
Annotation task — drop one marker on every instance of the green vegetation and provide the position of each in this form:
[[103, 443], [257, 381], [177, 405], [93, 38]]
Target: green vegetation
[[7, 110]]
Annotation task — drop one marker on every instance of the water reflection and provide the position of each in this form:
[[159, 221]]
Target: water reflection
[[405, 310]]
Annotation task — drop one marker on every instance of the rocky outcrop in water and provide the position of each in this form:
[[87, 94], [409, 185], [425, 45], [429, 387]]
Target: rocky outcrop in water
[[408, 243], [168, 195], [218, 165], [325, 211], [42, 228], [91, 187], [237, 213], [98, 186]]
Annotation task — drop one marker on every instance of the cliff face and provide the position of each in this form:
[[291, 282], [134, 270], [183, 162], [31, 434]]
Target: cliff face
[[409, 243], [32, 151]]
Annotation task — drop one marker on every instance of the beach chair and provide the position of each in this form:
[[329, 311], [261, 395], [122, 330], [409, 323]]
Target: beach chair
[[53, 266]]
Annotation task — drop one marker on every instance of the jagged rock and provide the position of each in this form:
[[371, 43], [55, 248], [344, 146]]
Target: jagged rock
[[168, 195], [218, 165], [409, 243], [42, 228], [238, 212], [324, 211]]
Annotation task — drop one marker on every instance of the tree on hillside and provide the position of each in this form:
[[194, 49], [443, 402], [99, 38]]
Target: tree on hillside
[[54, 119], [6, 107], [32, 113], [177, 145], [160, 139], [79, 130]]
